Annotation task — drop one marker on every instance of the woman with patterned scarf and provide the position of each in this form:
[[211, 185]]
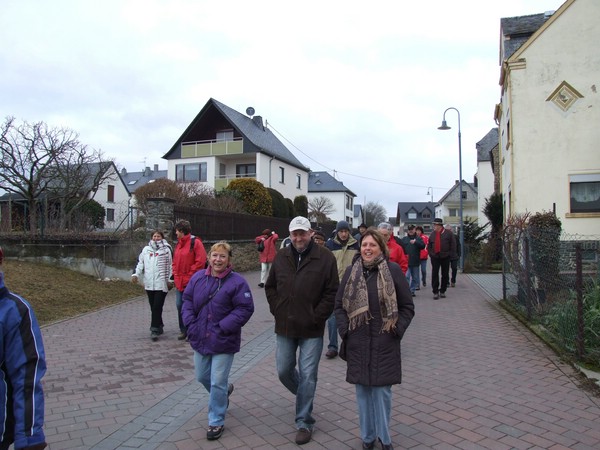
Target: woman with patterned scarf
[[373, 309], [154, 265]]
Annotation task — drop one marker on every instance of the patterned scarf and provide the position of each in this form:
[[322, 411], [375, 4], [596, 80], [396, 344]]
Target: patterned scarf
[[162, 249], [355, 300]]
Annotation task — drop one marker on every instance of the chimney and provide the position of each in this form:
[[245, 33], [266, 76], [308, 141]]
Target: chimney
[[156, 167], [123, 171], [258, 122], [147, 172]]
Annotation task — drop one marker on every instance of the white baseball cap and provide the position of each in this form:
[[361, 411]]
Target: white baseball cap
[[299, 223]]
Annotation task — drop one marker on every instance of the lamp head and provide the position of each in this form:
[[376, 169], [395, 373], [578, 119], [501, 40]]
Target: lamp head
[[444, 126]]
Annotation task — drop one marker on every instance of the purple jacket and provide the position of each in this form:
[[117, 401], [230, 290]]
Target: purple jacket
[[214, 311]]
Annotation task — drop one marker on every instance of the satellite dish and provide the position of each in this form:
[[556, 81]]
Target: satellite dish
[[250, 111]]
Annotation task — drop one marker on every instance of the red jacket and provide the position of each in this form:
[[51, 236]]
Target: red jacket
[[397, 254], [268, 254], [186, 263], [424, 252]]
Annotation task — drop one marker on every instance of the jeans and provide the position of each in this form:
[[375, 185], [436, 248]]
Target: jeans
[[264, 271], [436, 265], [179, 303], [213, 372], [301, 382], [157, 301], [412, 276], [374, 410], [424, 271], [332, 332]]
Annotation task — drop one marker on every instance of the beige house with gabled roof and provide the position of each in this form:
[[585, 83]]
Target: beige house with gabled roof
[[549, 115]]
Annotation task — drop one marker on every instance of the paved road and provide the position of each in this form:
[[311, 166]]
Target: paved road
[[474, 378]]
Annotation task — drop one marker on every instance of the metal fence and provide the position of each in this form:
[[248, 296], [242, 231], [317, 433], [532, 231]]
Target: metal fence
[[554, 280]]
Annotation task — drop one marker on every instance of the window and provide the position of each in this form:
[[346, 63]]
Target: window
[[110, 197], [190, 172], [222, 170], [245, 170], [282, 175], [348, 202], [225, 135], [585, 193], [298, 181], [110, 215], [464, 195], [453, 212], [412, 215], [426, 215]]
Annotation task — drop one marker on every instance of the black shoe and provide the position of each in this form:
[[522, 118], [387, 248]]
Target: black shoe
[[214, 432], [261, 285], [386, 446], [413, 294], [436, 296], [368, 445], [154, 335], [229, 391], [424, 284], [443, 294], [182, 336], [452, 284], [303, 436], [331, 354]]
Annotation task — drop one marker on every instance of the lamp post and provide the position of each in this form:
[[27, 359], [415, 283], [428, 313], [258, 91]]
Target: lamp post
[[430, 192], [461, 234]]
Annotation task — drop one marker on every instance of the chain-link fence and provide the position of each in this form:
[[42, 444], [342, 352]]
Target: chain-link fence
[[553, 279]]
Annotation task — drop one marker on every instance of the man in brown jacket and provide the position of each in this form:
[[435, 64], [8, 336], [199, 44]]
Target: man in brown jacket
[[301, 290], [441, 247]]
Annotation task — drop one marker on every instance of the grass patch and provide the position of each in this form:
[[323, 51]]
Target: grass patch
[[57, 293]]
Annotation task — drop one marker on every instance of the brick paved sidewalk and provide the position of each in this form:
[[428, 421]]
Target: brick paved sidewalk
[[474, 378]]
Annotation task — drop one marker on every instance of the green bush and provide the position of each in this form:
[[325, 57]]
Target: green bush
[[255, 196]]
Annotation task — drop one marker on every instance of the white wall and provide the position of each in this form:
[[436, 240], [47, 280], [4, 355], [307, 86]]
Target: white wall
[[485, 188]]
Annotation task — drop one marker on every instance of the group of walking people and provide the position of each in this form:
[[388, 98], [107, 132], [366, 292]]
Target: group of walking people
[[361, 287]]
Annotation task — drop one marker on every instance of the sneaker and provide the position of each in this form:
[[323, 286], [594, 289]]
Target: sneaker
[[436, 296], [229, 391], [161, 330], [368, 445], [331, 354], [154, 335], [418, 288], [424, 283], [214, 432], [303, 436], [261, 285], [182, 336], [452, 284], [413, 294], [443, 294]]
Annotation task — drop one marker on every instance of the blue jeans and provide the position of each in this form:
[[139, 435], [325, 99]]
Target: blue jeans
[[301, 382], [178, 304], [424, 271], [412, 276], [332, 332], [374, 409], [213, 372]]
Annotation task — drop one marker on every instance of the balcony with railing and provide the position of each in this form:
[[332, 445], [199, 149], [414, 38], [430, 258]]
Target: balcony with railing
[[212, 148], [222, 181]]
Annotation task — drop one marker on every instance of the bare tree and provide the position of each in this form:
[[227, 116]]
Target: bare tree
[[41, 162], [374, 214], [319, 208]]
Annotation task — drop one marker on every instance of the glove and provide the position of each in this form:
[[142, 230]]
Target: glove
[[40, 446]]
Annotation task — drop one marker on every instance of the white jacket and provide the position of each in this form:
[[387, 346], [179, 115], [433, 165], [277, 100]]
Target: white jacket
[[155, 266]]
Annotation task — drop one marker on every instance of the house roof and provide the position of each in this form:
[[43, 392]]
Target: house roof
[[252, 129], [515, 31], [323, 182], [404, 208], [135, 180], [486, 144], [471, 186]]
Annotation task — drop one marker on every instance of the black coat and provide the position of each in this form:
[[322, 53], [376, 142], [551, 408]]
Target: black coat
[[373, 357]]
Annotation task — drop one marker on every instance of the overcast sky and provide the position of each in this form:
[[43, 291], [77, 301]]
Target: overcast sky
[[353, 87]]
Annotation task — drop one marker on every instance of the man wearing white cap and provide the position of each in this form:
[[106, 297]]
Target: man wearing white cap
[[301, 290]]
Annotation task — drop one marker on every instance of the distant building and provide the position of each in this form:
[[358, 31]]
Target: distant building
[[415, 213], [321, 184]]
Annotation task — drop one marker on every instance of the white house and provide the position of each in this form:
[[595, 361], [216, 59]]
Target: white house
[[485, 173], [549, 115], [322, 184], [221, 144], [114, 196], [448, 207]]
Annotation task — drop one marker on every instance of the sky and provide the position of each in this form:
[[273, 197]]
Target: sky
[[353, 88]]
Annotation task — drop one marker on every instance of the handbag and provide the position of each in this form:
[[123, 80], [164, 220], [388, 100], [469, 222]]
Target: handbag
[[261, 246]]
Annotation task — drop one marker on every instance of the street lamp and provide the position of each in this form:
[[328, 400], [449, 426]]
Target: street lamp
[[430, 192], [461, 234]]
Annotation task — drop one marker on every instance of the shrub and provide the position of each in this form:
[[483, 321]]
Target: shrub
[[255, 196]]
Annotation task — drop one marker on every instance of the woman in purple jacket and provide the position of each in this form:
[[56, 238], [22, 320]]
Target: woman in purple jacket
[[217, 303]]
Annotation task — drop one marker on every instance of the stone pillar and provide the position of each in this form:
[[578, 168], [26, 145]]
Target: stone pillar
[[160, 214]]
